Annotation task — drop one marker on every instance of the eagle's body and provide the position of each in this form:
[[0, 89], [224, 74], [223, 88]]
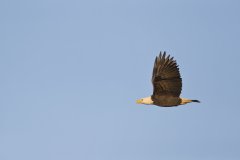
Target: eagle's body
[[167, 84]]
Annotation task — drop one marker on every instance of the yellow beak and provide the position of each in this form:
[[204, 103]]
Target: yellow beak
[[139, 101]]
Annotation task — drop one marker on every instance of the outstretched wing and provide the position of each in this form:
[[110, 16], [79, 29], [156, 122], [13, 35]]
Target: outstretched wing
[[166, 78]]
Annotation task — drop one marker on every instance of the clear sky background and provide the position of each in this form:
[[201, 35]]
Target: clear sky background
[[71, 71]]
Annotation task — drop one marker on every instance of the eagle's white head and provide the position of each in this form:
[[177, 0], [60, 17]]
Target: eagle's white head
[[146, 100]]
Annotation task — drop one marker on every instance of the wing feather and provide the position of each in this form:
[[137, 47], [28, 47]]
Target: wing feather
[[166, 78]]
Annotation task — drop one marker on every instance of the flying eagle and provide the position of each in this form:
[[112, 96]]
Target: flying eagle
[[167, 84]]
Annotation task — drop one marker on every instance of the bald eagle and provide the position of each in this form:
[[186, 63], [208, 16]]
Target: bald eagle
[[167, 84]]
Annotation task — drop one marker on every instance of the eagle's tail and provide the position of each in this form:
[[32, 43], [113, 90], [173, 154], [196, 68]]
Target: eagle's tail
[[185, 101]]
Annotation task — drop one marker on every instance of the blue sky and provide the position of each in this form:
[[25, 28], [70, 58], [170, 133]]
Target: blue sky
[[72, 70]]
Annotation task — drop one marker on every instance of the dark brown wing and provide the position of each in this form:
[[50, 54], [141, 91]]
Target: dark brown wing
[[166, 78]]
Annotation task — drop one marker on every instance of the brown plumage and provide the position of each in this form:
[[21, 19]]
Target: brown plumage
[[167, 83]]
